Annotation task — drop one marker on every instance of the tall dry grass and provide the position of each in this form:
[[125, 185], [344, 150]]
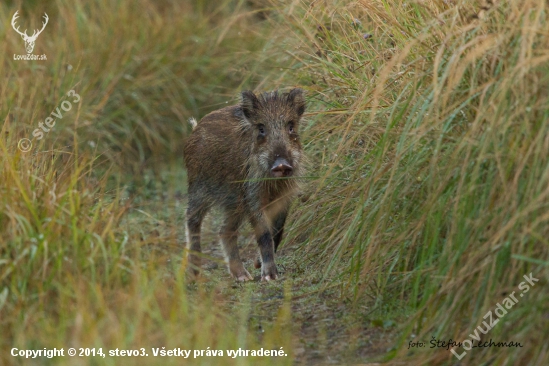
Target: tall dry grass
[[74, 270], [427, 132], [430, 140]]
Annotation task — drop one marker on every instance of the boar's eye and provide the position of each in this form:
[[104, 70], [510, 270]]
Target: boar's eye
[[261, 129], [291, 127]]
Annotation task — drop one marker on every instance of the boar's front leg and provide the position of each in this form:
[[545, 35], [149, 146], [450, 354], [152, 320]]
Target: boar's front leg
[[277, 231], [266, 247], [229, 236], [195, 214]]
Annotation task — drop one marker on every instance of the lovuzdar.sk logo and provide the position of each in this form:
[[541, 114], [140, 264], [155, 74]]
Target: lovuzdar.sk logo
[[29, 40]]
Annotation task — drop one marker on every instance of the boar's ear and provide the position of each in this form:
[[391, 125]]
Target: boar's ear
[[249, 104], [296, 97]]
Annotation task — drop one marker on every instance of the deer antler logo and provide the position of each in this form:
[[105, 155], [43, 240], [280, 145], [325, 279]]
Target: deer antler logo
[[29, 41]]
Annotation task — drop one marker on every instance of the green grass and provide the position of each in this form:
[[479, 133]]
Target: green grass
[[426, 201], [434, 169]]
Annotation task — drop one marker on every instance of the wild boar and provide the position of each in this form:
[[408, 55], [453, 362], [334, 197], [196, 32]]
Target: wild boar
[[247, 159]]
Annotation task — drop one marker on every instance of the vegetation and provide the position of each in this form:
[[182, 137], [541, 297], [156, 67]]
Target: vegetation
[[427, 189]]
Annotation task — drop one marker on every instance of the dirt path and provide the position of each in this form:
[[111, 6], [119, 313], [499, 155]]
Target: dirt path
[[327, 326]]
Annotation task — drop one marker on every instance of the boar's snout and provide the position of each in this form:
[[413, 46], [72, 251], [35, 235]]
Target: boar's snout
[[281, 168]]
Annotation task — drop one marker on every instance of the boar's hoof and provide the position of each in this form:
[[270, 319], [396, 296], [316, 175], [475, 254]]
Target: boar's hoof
[[245, 277], [269, 272], [192, 274], [241, 275], [193, 269]]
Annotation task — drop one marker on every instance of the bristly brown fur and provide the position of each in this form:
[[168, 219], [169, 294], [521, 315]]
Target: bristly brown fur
[[230, 157]]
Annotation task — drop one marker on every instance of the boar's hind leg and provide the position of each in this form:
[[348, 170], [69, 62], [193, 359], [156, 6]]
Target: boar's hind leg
[[266, 248], [195, 214], [278, 228], [229, 236]]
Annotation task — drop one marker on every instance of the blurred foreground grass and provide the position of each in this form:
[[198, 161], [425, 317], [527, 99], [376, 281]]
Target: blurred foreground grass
[[427, 131], [73, 271]]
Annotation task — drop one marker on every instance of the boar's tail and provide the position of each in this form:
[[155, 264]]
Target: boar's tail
[[192, 122]]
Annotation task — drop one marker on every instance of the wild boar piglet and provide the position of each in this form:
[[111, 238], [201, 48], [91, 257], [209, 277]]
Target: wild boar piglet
[[246, 159]]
